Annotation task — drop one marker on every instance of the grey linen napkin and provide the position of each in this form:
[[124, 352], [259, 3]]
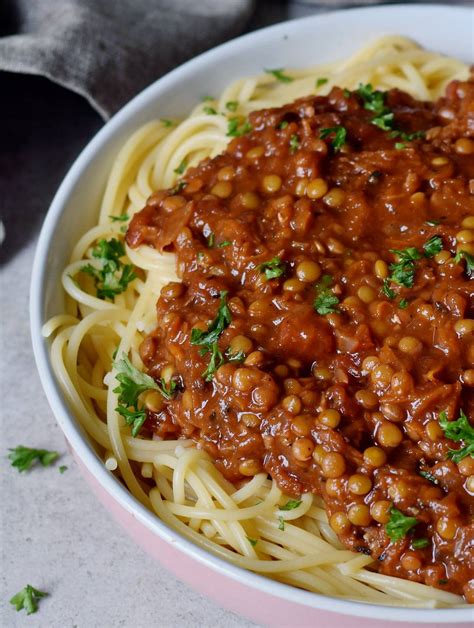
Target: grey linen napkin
[[108, 50]]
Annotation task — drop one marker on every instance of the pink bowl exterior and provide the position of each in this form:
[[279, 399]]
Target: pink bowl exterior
[[258, 606]]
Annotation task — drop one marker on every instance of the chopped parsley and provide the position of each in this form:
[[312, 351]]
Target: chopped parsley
[[273, 268], [326, 301], [167, 390], [122, 218], [208, 339], [62, 469], [339, 139], [236, 128], [433, 246], [182, 167], [112, 277], [458, 430], [403, 271], [166, 123], [211, 240], [210, 111], [281, 523], [207, 98], [294, 143], [291, 504], [23, 458], [280, 75], [399, 525], [179, 187], [238, 356], [321, 81], [469, 259], [400, 145], [283, 124], [420, 543], [232, 105], [132, 383], [428, 476], [253, 542], [403, 304], [387, 290], [27, 599]]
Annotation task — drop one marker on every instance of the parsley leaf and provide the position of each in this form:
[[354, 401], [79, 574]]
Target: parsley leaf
[[132, 382], [458, 430], [238, 356], [294, 143], [340, 135], [403, 271], [399, 525], [433, 246], [400, 145], [112, 277], [232, 105], [321, 81], [27, 599], [167, 390], [281, 523], [326, 301], [291, 504], [166, 123], [135, 418], [420, 543], [469, 259], [122, 218], [428, 476], [179, 187], [387, 290], [253, 542], [181, 168], [283, 124], [62, 469], [273, 268], [403, 304], [384, 121], [280, 75], [208, 339], [24, 457], [210, 111], [236, 128]]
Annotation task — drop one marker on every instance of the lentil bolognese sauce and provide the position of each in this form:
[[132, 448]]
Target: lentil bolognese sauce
[[322, 330], [274, 351]]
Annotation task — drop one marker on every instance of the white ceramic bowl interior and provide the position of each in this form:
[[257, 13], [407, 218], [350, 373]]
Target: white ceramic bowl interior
[[74, 209]]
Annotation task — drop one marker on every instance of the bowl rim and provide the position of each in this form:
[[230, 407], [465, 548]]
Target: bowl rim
[[64, 416]]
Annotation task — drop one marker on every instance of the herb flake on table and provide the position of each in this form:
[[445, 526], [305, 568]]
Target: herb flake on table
[[27, 599], [23, 458]]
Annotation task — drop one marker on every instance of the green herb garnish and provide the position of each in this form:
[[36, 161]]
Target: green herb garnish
[[179, 187], [27, 599], [294, 143], [166, 123], [458, 430], [112, 277], [339, 139], [280, 75], [236, 128], [469, 259], [122, 218], [253, 542], [403, 304], [182, 167], [62, 469], [291, 504], [23, 458], [281, 523], [433, 246], [283, 124], [210, 111], [321, 81], [232, 105], [208, 339], [273, 268], [326, 301], [403, 271], [420, 543], [400, 145], [429, 476], [399, 525]]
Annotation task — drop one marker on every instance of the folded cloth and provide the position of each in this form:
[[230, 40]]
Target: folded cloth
[[108, 50]]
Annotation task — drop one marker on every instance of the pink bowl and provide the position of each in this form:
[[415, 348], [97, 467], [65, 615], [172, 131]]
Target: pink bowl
[[74, 210]]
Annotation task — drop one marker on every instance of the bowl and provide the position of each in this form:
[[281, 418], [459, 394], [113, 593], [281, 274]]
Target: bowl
[[74, 210]]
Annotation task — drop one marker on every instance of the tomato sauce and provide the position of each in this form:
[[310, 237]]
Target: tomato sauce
[[320, 354]]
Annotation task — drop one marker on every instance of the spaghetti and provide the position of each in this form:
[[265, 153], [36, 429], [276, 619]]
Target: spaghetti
[[252, 524]]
